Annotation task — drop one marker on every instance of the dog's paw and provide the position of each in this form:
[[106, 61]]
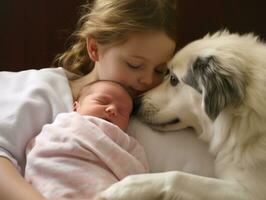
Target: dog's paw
[[123, 190], [131, 188], [114, 192]]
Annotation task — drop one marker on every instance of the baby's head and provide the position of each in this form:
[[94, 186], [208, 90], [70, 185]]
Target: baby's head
[[108, 100]]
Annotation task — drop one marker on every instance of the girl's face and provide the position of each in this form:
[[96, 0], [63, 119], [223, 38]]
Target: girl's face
[[139, 62]]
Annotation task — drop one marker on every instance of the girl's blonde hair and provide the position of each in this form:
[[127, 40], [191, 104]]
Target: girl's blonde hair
[[109, 21]]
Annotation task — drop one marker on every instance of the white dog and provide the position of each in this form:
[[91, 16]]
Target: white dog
[[217, 85]]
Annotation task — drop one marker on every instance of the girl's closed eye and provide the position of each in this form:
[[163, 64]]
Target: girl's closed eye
[[133, 65]]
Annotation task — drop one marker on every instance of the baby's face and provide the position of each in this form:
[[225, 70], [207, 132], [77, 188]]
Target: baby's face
[[108, 101]]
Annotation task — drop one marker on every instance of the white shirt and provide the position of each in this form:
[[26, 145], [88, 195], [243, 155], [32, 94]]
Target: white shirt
[[29, 99]]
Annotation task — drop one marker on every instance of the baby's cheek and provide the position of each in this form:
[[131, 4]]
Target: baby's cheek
[[123, 124]]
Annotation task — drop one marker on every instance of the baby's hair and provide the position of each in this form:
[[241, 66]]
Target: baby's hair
[[110, 21], [83, 92], [87, 86]]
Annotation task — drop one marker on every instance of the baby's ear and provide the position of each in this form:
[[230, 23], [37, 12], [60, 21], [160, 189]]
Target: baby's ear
[[75, 106], [92, 49]]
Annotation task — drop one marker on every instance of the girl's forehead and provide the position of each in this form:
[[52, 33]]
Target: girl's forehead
[[149, 45]]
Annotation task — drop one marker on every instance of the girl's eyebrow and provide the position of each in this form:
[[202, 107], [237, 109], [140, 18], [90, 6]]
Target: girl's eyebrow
[[137, 57], [145, 59]]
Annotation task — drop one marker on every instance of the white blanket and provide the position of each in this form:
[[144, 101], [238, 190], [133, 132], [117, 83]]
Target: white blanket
[[77, 156]]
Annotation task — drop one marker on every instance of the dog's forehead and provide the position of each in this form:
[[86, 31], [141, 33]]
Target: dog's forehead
[[181, 62], [185, 57]]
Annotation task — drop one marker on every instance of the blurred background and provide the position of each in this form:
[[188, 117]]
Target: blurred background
[[32, 32]]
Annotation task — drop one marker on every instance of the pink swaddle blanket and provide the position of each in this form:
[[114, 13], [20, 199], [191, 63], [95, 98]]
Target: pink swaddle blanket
[[77, 156]]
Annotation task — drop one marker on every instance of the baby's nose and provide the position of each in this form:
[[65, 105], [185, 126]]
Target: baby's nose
[[111, 110]]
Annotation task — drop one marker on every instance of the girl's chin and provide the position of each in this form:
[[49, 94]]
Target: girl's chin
[[135, 93]]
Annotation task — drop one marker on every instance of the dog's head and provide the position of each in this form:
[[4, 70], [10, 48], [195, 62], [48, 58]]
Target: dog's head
[[206, 77]]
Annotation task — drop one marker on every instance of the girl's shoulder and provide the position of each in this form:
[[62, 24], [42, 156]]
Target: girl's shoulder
[[30, 99], [43, 82], [34, 91], [45, 74]]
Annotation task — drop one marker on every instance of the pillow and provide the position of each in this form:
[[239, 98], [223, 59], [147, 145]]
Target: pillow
[[180, 150]]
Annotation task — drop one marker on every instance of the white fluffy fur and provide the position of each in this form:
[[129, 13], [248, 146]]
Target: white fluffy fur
[[236, 135]]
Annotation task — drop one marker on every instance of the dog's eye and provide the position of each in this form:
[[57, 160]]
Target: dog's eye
[[173, 79]]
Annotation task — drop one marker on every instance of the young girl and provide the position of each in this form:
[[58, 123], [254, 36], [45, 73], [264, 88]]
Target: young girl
[[128, 41]]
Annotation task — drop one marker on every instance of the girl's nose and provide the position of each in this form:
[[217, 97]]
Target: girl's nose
[[146, 79]]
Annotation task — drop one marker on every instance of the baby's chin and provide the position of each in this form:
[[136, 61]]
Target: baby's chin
[[108, 120]]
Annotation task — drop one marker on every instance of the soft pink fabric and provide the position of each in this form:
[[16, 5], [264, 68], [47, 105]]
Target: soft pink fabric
[[77, 156]]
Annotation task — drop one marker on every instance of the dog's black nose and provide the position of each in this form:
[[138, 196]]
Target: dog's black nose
[[136, 104]]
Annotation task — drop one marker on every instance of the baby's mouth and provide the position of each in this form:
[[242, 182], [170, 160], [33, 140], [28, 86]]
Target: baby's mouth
[[107, 119]]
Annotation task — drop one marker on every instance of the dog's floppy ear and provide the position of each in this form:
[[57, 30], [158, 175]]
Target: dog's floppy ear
[[219, 86]]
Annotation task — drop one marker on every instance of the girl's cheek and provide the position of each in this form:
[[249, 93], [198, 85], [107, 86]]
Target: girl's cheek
[[158, 80], [127, 77]]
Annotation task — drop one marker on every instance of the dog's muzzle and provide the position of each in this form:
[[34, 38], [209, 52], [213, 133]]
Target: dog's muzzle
[[149, 113]]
